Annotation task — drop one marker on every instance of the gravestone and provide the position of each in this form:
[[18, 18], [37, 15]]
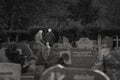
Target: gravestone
[[108, 41], [66, 43], [80, 58], [59, 72], [84, 43], [83, 58], [3, 57], [10, 71]]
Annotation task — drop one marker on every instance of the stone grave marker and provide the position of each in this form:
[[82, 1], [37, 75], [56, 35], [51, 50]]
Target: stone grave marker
[[66, 43], [108, 41], [85, 43], [10, 71], [83, 58], [3, 57], [59, 72]]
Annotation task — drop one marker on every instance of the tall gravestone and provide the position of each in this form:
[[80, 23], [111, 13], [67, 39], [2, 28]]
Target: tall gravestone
[[83, 43], [59, 72], [10, 71], [108, 41], [83, 58], [66, 43], [3, 57]]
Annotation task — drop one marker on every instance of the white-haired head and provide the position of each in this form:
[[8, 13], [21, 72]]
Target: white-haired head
[[40, 31], [49, 30]]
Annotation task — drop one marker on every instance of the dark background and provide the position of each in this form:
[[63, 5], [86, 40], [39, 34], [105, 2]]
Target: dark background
[[72, 18]]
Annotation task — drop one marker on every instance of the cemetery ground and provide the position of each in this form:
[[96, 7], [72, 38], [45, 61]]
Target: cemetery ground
[[77, 63]]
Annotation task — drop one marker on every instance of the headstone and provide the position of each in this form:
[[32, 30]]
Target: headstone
[[79, 58], [83, 58], [108, 41], [3, 57], [84, 43], [10, 71], [66, 43], [62, 73]]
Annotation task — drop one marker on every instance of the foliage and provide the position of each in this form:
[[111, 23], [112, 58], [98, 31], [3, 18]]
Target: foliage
[[63, 16]]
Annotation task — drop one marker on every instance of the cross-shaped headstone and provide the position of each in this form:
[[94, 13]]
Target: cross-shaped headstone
[[117, 41]]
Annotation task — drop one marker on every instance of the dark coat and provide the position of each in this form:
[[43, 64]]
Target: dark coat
[[50, 37]]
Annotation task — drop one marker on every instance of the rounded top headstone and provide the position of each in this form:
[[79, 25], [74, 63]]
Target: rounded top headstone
[[63, 73]]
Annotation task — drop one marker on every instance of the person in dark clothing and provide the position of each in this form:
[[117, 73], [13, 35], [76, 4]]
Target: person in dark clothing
[[49, 38], [63, 59]]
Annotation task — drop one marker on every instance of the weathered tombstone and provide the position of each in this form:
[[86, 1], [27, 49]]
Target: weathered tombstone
[[25, 49], [80, 58], [108, 41], [83, 58], [84, 43], [3, 57], [66, 43], [62, 73], [10, 71]]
